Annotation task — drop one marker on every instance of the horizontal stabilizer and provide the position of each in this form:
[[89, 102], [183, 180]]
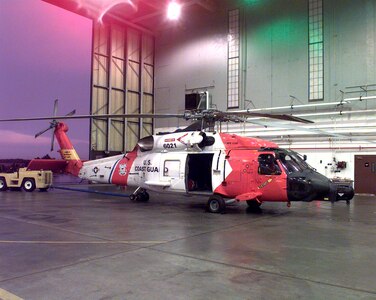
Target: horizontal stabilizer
[[55, 165]]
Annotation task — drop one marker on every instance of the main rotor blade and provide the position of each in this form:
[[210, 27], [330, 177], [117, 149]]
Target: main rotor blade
[[55, 107], [43, 131], [102, 116], [73, 112], [271, 116], [196, 126], [312, 130]]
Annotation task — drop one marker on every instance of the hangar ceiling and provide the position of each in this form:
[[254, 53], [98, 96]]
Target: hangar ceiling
[[145, 14]]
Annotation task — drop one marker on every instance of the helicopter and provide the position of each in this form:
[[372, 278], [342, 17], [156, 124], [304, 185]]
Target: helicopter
[[226, 168]]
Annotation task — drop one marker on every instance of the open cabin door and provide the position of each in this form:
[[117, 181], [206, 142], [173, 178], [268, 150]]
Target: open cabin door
[[199, 172], [173, 171]]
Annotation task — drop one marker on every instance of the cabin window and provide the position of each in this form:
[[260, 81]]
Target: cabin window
[[268, 165], [171, 168]]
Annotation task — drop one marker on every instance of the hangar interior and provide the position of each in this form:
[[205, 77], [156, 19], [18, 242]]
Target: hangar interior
[[314, 59], [311, 58]]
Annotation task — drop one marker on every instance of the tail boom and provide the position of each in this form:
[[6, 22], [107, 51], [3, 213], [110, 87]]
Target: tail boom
[[67, 151]]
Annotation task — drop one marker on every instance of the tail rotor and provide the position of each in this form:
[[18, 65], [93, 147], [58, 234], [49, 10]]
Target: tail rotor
[[53, 124]]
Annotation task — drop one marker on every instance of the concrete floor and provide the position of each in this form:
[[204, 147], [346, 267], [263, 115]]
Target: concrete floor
[[70, 245]]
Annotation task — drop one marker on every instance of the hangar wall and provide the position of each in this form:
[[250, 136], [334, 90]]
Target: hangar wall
[[274, 62], [277, 49], [274, 53], [323, 162], [192, 57]]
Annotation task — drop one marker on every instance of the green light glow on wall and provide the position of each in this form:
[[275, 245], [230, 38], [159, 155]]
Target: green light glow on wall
[[254, 2]]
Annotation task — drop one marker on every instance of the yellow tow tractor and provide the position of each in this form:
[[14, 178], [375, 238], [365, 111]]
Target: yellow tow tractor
[[27, 180]]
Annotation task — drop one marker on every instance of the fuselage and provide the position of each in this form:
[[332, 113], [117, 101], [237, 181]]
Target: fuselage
[[212, 163]]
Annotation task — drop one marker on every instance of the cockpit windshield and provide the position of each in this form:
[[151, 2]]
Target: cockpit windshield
[[292, 161]]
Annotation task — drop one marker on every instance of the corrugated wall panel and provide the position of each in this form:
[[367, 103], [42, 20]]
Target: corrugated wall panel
[[123, 64]]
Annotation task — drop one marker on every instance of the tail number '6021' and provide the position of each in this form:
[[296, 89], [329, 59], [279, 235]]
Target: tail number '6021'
[[169, 145]]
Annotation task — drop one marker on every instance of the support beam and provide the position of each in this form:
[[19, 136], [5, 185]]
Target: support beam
[[208, 5]]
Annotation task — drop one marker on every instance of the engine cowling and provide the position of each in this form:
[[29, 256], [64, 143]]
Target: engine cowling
[[172, 142]]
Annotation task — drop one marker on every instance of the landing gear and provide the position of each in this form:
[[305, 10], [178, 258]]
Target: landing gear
[[216, 204], [139, 195], [253, 204]]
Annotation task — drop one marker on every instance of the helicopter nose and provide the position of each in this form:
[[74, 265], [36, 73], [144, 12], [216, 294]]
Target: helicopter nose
[[315, 186], [307, 188], [340, 191]]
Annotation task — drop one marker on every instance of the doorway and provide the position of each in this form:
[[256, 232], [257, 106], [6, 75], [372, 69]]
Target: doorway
[[199, 170], [365, 174]]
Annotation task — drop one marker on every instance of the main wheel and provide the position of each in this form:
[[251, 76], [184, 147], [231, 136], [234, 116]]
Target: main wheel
[[253, 204], [216, 204], [144, 196], [28, 185], [3, 184], [133, 197], [140, 197]]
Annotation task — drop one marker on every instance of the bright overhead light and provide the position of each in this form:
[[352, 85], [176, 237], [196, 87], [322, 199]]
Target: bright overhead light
[[173, 10]]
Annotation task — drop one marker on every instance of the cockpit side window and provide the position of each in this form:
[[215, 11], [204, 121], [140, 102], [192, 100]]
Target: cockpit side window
[[292, 162], [268, 165]]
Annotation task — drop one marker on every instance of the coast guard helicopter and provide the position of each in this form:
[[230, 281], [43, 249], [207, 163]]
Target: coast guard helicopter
[[224, 167]]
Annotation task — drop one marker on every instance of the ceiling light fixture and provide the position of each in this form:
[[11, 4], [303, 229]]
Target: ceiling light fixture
[[173, 10]]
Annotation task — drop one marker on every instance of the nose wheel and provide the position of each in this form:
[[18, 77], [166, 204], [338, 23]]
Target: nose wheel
[[216, 204], [253, 204]]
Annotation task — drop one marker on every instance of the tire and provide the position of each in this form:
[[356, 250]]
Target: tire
[[28, 184], [133, 197], [139, 197], [144, 196], [3, 184], [253, 204], [216, 204]]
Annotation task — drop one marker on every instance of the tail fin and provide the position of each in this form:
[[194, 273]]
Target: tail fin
[[67, 151]]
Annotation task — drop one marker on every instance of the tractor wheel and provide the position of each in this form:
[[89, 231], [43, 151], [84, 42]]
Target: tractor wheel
[[216, 204], [28, 184], [3, 184]]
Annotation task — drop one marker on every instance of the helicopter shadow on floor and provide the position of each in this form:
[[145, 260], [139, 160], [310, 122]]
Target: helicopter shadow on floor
[[241, 209]]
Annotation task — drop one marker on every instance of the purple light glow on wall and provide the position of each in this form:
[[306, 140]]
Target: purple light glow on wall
[[45, 53]]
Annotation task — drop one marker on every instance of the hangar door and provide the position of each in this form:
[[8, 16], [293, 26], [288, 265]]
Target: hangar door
[[365, 174], [122, 82]]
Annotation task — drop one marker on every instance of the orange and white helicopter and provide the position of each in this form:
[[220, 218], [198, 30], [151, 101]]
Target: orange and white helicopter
[[225, 167]]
